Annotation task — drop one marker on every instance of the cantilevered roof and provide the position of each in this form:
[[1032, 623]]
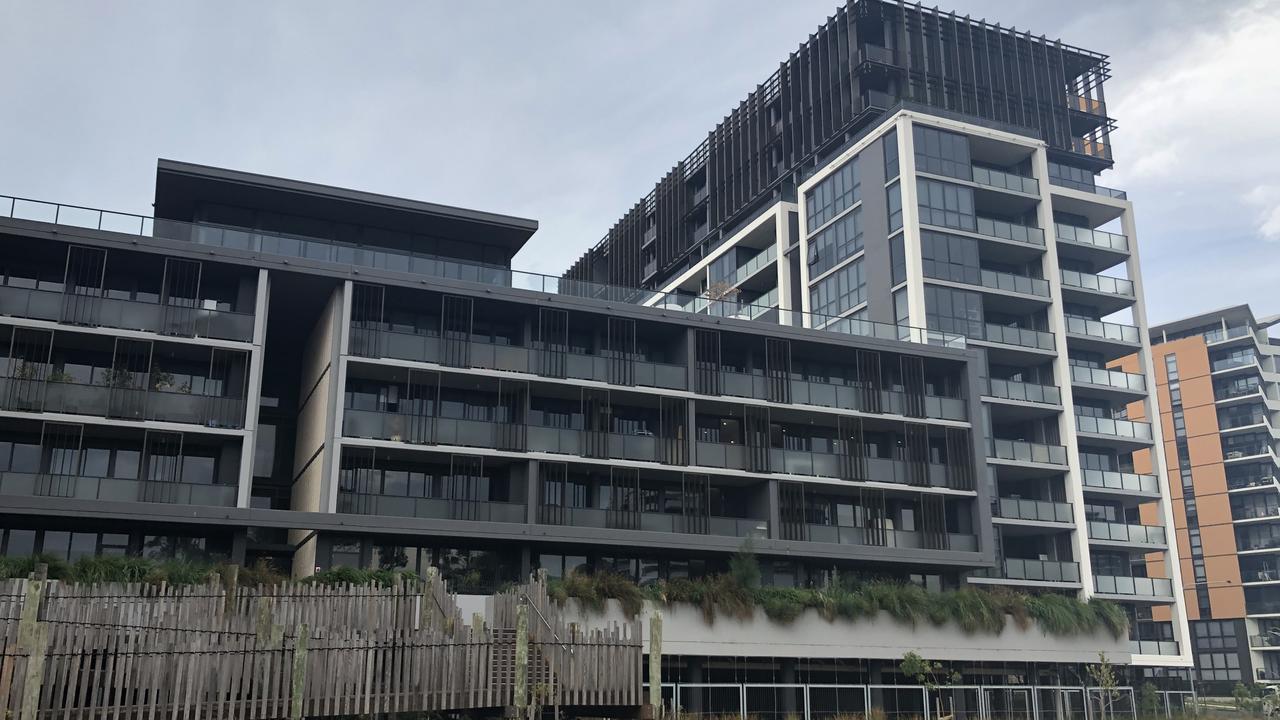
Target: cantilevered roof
[[1235, 316], [182, 187]]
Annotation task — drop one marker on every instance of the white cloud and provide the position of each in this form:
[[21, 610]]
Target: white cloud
[[1267, 199]]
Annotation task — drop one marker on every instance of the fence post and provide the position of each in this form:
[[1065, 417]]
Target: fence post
[[299, 673], [230, 583], [34, 593], [655, 664], [521, 691], [37, 645]]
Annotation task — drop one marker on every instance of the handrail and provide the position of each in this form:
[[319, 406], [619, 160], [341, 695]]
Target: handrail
[[532, 606]]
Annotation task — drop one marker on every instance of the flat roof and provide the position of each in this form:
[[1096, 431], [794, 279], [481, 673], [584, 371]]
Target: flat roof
[[1235, 316], [182, 186]]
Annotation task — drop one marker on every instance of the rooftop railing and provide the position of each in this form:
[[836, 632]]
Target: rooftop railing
[[331, 251]]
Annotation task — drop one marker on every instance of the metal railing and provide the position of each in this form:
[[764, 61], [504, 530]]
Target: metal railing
[[347, 254], [1022, 451], [1038, 510], [1124, 481], [1114, 427], [1097, 238], [1089, 187]]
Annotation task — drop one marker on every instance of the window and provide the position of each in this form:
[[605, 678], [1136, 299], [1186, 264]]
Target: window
[[895, 207], [942, 153], [842, 290], [949, 257], [946, 205], [835, 243], [897, 259], [833, 195], [901, 313], [953, 311], [890, 141]]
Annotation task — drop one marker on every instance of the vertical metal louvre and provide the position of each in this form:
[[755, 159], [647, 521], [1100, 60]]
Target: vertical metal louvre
[[180, 297], [60, 448], [456, 314], [82, 284]]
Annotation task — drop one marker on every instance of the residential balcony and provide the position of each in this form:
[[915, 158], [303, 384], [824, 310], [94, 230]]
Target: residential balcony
[[1105, 293], [1153, 647], [1099, 382], [1009, 508], [1000, 281], [106, 312], [1058, 571], [1113, 482], [903, 539], [121, 402], [431, 508], [1026, 452], [877, 54], [1254, 512], [1264, 642], [1005, 181], [1109, 338], [1259, 482], [1004, 230], [1094, 188], [1228, 395], [1224, 336], [1246, 453], [1088, 105], [1114, 431], [1092, 147], [81, 487], [662, 522], [1100, 239], [1127, 587], [1246, 543], [816, 464], [1020, 337], [1115, 532], [765, 259], [836, 395], [1023, 392], [1260, 575], [1235, 362]]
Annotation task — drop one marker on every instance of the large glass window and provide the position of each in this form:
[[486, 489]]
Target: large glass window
[[842, 290], [833, 195], [953, 311], [890, 155], [897, 259], [942, 153], [946, 205], [949, 257], [835, 243], [894, 202]]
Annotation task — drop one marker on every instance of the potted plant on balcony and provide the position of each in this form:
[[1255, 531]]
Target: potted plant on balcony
[[162, 380]]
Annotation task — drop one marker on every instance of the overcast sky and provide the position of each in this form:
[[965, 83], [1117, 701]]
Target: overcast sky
[[568, 111]]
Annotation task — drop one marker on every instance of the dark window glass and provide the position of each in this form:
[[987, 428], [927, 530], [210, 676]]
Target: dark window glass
[[833, 195], [942, 153]]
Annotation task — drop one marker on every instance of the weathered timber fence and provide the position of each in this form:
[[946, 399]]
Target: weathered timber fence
[[297, 650]]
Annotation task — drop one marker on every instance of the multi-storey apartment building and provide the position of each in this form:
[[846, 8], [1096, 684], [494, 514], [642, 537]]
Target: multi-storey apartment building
[[913, 168], [1217, 378]]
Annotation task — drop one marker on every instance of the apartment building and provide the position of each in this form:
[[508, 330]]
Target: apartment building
[[1217, 376], [908, 168]]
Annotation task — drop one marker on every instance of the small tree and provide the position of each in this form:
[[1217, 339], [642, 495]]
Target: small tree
[[1104, 680], [932, 675], [1148, 701], [744, 568]]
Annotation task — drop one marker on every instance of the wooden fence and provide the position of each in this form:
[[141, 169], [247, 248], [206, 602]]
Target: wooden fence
[[298, 650]]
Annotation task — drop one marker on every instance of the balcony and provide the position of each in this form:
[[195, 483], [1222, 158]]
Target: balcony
[[1063, 571], [1009, 282], [1133, 587], [121, 402], [430, 508], [1110, 428], [1109, 294], [1234, 362], [1088, 105], [1092, 147], [1254, 512], [836, 395], [175, 320], [562, 441], [1106, 247], [663, 522], [1121, 482], [1005, 181], [1033, 510], [1216, 337], [814, 464], [1090, 188], [1100, 378], [1003, 230], [764, 259], [1252, 482], [1153, 647], [1264, 642], [903, 539], [1023, 392], [1114, 339], [116, 489], [1027, 452], [1115, 532], [877, 54], [1019, 337]]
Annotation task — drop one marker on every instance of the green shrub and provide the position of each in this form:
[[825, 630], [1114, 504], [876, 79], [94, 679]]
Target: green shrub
[[107, 569], [21, 567]]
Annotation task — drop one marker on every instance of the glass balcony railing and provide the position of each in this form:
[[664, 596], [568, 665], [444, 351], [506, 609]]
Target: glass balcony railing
[[1026, 392], [1103, 330], [762, 260], [905, 539], [1231, 421], [1109, 378], [1250, 481], [1254, 512], [1133, 586], [430, 508], [1037, 510], [1232, 362], [1153, 647], [1098, 283], [121, 402], [1124, 481], [1034, 570], [1113, 427], [1214, 336], [1264, 641], [117, 489], [1022, 451], [1233, 391], [1089, 188], [1005, 180], [1010, 231], [1010, 282], [1097, 238], [662, 522], [1025, 337], [1123, 532], [421, 264], [1260, 574], [108, 312]]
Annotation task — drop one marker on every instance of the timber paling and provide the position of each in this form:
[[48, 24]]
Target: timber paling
[[298, 650]]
